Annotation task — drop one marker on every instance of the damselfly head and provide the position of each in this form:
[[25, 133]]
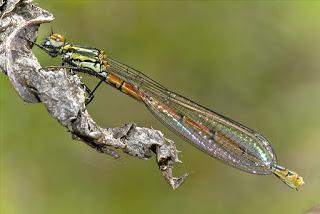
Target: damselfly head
[[53, 44]]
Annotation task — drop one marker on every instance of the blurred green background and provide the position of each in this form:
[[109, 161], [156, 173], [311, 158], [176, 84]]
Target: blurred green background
[[256, 62]]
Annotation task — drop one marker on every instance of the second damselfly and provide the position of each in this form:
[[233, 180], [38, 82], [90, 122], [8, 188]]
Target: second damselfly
[[212, 133]]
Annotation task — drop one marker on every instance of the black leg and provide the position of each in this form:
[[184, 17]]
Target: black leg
[[58, 67], [70, 68], [91, 93], [97, 86]]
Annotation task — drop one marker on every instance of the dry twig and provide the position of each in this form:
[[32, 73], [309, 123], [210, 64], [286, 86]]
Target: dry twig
[[63, 95]]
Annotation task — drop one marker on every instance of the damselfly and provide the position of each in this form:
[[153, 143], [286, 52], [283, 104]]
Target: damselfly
[[213, 133]]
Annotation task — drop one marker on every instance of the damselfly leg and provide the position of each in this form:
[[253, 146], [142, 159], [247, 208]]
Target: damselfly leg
[[91, 93], [73, 70]]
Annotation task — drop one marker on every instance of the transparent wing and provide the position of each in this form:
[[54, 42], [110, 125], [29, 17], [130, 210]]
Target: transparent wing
[[209, 131]]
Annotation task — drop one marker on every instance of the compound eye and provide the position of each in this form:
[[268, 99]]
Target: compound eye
[[56, 43]]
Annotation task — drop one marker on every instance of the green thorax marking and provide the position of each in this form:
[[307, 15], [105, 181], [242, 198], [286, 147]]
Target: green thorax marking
[[83, 57], [88, 52]]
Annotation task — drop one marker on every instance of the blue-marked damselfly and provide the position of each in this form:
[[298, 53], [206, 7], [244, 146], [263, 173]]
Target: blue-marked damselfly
[[211, 132]]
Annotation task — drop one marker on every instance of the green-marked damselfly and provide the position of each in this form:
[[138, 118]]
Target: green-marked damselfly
[[211, 132]]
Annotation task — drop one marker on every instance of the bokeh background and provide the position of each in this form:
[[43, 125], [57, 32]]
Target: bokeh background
[[256, 62]]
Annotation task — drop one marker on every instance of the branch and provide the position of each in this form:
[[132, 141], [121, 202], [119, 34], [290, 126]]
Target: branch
[[63, 96]]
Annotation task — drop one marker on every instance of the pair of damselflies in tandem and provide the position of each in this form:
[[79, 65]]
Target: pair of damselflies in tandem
[[211, 132]]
